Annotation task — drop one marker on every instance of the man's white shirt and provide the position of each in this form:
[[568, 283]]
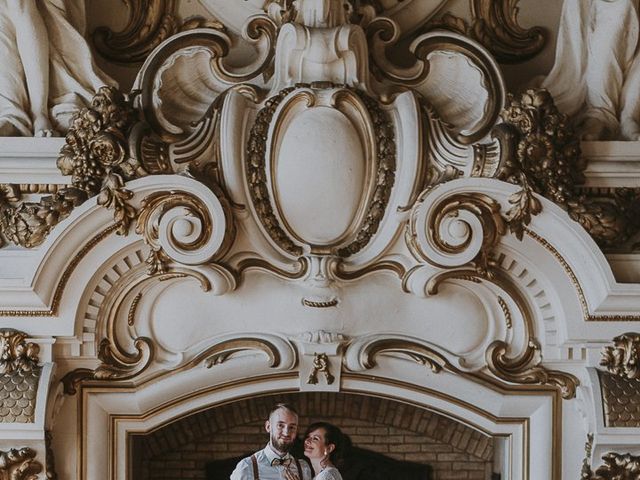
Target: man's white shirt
[[267, 471]]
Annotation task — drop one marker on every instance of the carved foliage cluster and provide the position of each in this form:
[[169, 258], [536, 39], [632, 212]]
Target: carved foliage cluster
[[16, 354], [546, 159], [96, 155], [19, 464], [28, 223], [623, 358], [616, 466]]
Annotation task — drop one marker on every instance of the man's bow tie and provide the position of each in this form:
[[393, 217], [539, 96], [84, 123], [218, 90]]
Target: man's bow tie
[[281, 461]]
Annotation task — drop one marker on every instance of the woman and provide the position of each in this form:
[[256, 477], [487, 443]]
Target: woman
[[323, 446]]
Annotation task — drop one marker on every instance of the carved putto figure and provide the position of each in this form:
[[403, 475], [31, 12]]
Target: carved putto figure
[[47, 68], [597, 71]]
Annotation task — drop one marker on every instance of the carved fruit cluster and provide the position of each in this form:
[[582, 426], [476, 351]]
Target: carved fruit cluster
[[96, 143], [547, 161]]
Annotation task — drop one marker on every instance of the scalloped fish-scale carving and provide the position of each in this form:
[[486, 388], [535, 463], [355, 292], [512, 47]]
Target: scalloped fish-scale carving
[[620, 400]]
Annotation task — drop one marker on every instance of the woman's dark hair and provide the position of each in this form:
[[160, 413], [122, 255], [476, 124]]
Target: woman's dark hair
[[332, 435]]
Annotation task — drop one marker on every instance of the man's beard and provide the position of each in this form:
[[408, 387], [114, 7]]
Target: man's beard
[[280, 445]]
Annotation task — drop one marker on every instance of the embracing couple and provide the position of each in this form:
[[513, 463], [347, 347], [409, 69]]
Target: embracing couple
[[323, 444]]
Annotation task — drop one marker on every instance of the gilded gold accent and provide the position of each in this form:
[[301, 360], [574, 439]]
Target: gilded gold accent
[[131, 316], [479, 205], [260, 264], [586, 472], [116, 364], [623, 359], [64, 279], [506, 311], [320, 365], [547, 161], [525, 367], [495, 25], [16, 354], [96, 153], [19, 377], [19, 464], [315, 304], [40, 188], [28, 223], [257, 177], [120, 361], [620, 400], [616, 466], [588, 317], [96, 156], [221, 352], [150, 22], [417, 352], [50, 461], [259, 29], [152, 211]]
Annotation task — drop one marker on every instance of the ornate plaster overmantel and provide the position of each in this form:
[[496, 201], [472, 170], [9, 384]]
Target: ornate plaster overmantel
[[310, 214]]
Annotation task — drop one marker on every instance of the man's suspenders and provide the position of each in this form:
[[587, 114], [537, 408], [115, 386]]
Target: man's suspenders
[[256, 475], [254, 460]]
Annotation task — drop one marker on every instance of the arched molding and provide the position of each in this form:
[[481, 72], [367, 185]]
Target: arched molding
[[528, 426]]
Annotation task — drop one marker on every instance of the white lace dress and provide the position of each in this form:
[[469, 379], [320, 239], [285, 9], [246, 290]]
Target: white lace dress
[[329, 473]]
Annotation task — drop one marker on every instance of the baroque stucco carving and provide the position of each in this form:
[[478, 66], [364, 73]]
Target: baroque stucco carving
[[19, 464], [614, 465], [620, 383], [19, 377], [372, 171]]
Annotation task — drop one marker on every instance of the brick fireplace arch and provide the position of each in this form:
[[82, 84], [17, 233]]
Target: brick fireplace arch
[[404, 432]]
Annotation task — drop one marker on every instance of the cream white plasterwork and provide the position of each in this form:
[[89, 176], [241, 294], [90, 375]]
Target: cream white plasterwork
[[241, 313]]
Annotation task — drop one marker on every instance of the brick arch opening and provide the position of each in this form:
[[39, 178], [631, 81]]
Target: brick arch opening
[[400, 431]]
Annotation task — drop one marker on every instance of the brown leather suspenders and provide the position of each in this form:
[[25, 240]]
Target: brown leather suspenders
[[254, 460], [256, 475]]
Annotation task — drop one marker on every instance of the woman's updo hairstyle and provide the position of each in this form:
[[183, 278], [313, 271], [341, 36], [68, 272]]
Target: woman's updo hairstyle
[[332, 436]]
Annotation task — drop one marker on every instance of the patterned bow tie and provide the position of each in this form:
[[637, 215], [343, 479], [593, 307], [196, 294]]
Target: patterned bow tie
[[285, 462]]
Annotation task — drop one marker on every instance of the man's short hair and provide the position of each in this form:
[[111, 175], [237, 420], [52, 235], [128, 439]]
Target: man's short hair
[[283, 406]]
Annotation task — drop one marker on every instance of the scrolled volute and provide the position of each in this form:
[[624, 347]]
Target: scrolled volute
[[526, 369], [116, 364], [623, 358], [19, 464], [495, 25], [361, 353], [280, 352], [184, 228], [16, 354], [455, 230]]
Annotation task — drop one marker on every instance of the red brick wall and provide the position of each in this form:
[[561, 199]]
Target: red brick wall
[[180, 450]]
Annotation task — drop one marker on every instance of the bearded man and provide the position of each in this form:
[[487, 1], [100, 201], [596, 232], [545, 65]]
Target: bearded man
[[274, 462]]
